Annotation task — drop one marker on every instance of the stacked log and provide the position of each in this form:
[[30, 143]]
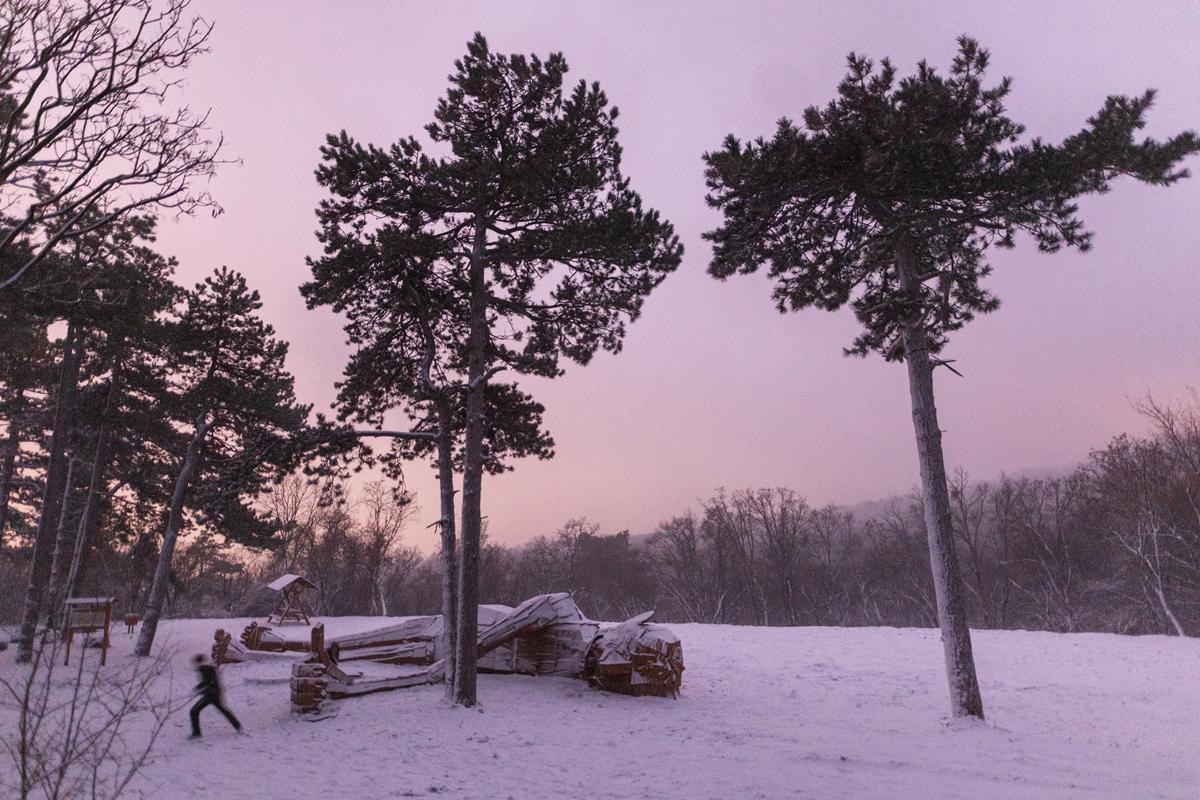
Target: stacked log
[[252, 638], [220, 648], [636, 658], [308, 686], [545, 635], [418, 652], [412, 641]]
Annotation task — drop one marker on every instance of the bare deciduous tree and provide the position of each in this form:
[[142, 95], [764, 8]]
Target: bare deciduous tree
[[74, 734], [385, 516], [88, 132]]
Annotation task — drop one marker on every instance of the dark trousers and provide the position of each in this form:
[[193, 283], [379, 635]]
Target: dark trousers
[[211, 700]]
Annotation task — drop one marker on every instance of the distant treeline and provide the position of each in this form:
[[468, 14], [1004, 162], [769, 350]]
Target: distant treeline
[[1114, 546]]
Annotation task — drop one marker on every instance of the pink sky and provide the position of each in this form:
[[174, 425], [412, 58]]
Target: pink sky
[[714, 387]]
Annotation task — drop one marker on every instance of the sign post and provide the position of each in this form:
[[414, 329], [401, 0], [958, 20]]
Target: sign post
[[87, 615]]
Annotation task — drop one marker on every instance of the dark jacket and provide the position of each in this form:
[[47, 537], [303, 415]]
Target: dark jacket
[[208, 685]]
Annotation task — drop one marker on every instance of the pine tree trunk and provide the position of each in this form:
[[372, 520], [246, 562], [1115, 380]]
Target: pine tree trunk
[[60, 548], [466, 657], [8, 456], [162, 573], [87, 521], [445, 446], [965, 699], [52, 496]]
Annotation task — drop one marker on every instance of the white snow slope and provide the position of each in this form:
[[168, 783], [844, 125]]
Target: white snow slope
[[765, 713]]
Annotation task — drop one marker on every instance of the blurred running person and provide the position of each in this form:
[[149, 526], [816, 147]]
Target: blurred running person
[[210, 695]]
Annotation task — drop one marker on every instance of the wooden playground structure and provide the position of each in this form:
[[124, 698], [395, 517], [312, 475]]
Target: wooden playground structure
[[545, 635], [290, 607]]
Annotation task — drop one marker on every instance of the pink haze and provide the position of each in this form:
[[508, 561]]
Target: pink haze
[[715, 388]]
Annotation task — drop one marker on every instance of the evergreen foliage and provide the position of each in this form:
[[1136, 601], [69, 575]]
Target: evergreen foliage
[[887, 200], [230, 375], [931, 157], [522, 228]]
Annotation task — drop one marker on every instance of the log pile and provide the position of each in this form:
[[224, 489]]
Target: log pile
[[262, 638], [252, 638], [320, 678], [220, 648], [636, 658], [308, 686], [414, 652], [413, 641], [545, 635]]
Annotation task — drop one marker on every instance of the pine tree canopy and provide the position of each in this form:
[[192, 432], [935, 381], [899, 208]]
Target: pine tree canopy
[[232, 377], [571, 252], [404, 320], [930, 161], [529, 180]]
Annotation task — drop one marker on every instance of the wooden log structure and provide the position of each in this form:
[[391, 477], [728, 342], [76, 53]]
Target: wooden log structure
[[308, 686], [411, 641], [220, 648], [545, 635], [636, 658]]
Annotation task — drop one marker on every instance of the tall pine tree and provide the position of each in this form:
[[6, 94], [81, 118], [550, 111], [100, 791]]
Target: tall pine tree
[[26, 372], [887, 200], [530, 225], [95, 283], [401, 322], [237, 399]]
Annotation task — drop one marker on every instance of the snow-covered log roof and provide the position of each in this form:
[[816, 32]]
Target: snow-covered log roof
[[284, 581]]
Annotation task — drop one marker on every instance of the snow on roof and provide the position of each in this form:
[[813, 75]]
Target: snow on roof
[[284, 581], [88, 601]]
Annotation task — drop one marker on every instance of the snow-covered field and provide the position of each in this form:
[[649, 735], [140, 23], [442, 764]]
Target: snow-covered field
[[765, 713]]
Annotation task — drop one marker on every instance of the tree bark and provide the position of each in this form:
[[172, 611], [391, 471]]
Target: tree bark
[[445, 447], [466, 655], [965, 699], [162, 573], [1166, 607], [8, 456], [60, 547], [55, 474], [87, 521]]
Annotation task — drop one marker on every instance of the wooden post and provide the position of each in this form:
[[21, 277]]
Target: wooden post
[[104, 642]]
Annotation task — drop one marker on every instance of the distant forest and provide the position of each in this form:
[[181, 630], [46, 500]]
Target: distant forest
[[1114, 546]]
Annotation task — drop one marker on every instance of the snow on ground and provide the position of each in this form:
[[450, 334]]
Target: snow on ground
[[765, 713]]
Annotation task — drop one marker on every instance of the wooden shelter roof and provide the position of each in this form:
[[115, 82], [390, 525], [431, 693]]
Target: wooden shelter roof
[[88, 601], [284, 581]]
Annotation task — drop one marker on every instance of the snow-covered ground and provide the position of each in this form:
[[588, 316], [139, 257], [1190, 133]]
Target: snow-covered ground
[[765, 713]]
